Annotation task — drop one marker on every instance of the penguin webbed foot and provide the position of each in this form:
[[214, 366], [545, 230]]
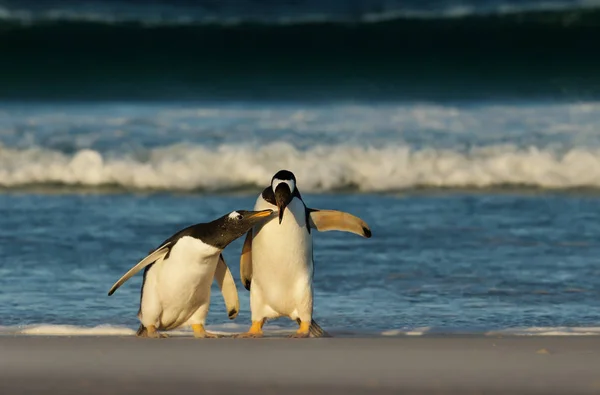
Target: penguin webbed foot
[[303, 332], [150, 333], [309, 330], [201, 333], [255, 331]]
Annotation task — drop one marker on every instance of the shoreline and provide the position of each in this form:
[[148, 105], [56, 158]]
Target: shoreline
[[450, 364], [276, 330]]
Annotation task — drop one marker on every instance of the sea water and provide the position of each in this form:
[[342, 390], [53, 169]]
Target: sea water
[[481, 189]]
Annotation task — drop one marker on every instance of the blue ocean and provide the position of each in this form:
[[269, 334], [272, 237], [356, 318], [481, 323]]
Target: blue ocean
[[465, 133]]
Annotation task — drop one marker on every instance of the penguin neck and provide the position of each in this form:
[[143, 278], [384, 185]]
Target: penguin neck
[[295, 212], [197, 246], [269, 196]]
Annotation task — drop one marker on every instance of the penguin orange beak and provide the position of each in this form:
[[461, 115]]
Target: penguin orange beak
[[260, 214], [283, 197]]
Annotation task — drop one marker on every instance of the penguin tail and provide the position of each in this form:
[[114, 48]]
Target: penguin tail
[[315, 329], [142, 331]]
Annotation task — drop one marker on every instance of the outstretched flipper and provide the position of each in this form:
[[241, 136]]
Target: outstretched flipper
[[321, 220], [157, 254], [246, 261], [326, 220], [228, 289]]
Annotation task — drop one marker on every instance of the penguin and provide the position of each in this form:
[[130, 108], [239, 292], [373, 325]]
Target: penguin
[[277, 265], [178, 275]]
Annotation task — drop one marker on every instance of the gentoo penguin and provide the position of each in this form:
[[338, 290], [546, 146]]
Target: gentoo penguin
[[179, 273], [276, 264]]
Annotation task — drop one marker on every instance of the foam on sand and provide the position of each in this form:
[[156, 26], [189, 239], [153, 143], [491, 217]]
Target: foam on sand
[[117, 330], [275, 330], [549, 331], [67, 330]]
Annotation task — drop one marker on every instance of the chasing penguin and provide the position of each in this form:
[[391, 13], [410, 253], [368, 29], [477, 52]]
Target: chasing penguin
[[179, 273], [276, 264]]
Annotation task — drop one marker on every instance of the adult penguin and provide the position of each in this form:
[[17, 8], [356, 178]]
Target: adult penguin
[[277, 264], [179, 274]]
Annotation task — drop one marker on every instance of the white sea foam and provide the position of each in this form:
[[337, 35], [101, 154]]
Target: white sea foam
[[531, 331], [369, 148], [407, 332], [321, 168], [274, 330], [524, 331], [67, 330], [117, 330], [548, 331]]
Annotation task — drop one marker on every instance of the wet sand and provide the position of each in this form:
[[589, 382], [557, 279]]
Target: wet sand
[[403, 365]]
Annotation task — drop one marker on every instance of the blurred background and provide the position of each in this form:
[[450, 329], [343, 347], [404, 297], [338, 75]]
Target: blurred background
[[466, 133]]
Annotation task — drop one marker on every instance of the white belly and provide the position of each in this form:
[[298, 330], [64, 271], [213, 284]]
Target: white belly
[[179, 286], [282, 264]]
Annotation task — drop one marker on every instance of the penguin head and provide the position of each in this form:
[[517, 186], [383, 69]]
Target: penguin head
[[233, 225], [283, 184]]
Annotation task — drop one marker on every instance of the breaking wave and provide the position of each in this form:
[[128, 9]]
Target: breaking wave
[[523, 50], [319, 169], [182, 13]]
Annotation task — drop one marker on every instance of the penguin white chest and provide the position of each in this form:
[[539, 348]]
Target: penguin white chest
[[180, 284], [282, 260]]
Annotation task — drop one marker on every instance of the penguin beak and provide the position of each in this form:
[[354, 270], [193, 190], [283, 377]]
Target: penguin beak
[[283, 196], [257, 215]]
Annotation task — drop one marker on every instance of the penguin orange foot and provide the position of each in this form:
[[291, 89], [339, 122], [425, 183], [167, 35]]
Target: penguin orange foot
[[150, 332], [255, 330], [303, 331], [201, 333]]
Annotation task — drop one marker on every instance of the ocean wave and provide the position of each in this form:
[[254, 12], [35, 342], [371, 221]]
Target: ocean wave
[[518, 55], [319, 169], [285, 14]]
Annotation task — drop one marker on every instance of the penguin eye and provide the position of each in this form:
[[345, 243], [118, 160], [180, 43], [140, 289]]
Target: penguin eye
[[239, 216]]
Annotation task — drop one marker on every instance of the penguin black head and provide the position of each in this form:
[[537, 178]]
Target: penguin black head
[[231, 226], [283, 184]]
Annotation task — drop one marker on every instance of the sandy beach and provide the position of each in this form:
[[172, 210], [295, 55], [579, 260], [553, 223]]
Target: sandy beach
[[405, 365]]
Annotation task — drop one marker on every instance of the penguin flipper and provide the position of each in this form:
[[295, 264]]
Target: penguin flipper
[[228, 289], [246, 261], [151, 258], [326, 220]]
